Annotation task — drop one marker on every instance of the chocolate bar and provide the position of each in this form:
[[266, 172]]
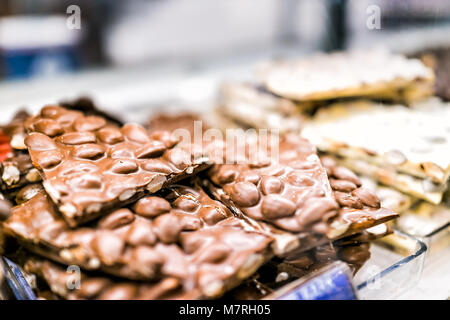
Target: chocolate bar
[[185, 235], [17, 170], [85, 287], [373, 73], [295, 155], [416, 187], [397, 142], [294, 194], [90, 167], [291, 193]]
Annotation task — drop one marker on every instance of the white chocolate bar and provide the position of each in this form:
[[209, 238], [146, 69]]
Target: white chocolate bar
[[248, 105], [414, 186], [369, 73], [414, 142]]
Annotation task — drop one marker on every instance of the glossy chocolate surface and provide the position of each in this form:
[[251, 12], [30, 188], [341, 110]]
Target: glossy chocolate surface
[[90, 166], [185, 235]]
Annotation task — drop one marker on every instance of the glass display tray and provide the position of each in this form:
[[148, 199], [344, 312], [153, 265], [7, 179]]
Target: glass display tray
[[395, 266]]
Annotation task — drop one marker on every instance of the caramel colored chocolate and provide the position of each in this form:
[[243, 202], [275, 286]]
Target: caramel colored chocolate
[[90, 166], [185, 235]]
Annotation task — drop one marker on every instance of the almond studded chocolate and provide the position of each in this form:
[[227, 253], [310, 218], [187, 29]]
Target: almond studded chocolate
[[130, 161], [367, 197], [275, 206], [291, 192], [151, 207], [102, 288], [184, 235], [295, 179], [244, 194]]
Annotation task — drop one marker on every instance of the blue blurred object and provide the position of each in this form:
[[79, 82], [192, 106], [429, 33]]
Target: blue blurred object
[[332, 282], [39, 62], [16, 281], [33, 46]]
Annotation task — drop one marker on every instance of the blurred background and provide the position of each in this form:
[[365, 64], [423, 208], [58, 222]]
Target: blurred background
[[138, 52]]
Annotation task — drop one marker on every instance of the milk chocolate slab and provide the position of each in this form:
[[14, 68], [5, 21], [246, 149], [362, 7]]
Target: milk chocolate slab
[[91, 287], [295, 170], [289, 190], [408, 141], [368, 73], [185, 235], [17, 170], [294, 194], [90, 166]]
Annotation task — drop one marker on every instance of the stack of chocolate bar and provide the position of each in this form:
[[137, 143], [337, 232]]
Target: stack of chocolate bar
[[373, 112], [140, 214], [285, 92], [281, 196]]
